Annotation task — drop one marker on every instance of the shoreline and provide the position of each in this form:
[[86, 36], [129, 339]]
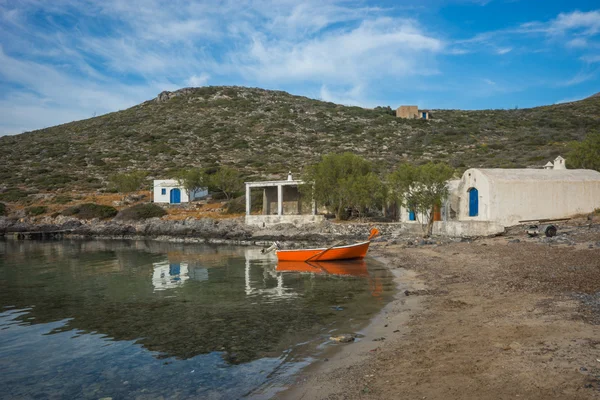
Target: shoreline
[[317, 380]]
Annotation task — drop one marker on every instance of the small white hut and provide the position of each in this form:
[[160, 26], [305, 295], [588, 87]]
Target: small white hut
[[171, 191]]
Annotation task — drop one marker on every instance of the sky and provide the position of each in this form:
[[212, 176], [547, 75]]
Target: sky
[[66, 60]]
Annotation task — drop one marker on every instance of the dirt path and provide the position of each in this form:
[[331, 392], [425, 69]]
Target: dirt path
[[496, 320]]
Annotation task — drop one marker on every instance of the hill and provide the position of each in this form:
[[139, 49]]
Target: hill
[[266, 133]]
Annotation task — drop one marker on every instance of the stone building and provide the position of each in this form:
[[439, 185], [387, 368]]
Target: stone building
[[411, 112]]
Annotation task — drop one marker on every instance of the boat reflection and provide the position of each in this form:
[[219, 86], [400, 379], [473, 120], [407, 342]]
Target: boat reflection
[[342, 267], [356, 268]]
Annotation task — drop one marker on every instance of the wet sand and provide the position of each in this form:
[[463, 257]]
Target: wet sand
[[492, 319]]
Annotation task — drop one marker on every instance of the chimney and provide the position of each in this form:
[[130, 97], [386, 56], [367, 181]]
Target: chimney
[[290, 176]]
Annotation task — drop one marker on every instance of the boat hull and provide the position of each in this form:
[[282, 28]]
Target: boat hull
[[358, 250]]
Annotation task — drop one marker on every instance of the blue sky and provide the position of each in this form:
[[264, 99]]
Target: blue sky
[[65, 60]]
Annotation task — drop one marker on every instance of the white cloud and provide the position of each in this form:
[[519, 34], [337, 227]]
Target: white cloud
[[591, 59], [579, 78], [382, 46], [198, 80], [503, 50], [586, 22], [350, 97], [577, 43]]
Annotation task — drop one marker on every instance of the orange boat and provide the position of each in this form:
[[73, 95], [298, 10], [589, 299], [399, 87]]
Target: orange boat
[[358, 250]]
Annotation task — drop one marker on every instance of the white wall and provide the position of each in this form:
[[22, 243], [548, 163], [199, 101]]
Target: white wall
[[506, 201], [169, 184]]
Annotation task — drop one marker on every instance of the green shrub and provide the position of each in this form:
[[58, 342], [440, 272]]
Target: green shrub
[[3, 210], [36, 210], [13, 195], [90, 211], [142, 211], [62, 199]]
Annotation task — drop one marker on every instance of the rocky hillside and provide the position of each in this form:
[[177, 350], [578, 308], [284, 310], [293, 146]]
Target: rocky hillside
[[266, 133]]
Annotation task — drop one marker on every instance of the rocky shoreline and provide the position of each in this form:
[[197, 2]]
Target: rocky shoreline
[[232, 231]]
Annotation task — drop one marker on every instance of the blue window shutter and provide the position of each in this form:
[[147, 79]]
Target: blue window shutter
[[163, 191]]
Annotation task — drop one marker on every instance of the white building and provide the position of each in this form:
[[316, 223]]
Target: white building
[[171, 191], [485, 201], [507, 196]]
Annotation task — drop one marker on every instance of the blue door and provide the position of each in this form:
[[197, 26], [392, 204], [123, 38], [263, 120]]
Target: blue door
[[411, 215], [473, 202], [175, 196]]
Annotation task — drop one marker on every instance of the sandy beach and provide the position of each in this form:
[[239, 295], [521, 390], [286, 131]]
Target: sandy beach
[[494, 318]]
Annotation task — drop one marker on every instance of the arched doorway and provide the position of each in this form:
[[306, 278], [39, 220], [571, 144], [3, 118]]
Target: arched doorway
[[473, 202], [175, 196]]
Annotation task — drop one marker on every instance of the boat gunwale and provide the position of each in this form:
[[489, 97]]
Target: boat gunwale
[[325, 248]]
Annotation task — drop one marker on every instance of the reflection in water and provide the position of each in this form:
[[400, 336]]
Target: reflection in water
[[169, 275], [218, 322]]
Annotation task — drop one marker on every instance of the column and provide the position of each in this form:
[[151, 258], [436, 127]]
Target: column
[[248, 203], [314, 207], [279, 200]]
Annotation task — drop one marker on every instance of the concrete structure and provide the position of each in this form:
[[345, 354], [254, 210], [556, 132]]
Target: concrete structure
[[282, 203], [411, 112], [171, 191], [507, 196]]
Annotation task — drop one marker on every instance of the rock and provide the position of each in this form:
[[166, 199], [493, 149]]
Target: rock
[[343, 338], [514, 241], [379, 339]]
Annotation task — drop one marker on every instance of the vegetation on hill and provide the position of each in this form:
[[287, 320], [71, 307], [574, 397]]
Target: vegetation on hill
[[262, 133], [141, 211], [90, 211], [586, 154]]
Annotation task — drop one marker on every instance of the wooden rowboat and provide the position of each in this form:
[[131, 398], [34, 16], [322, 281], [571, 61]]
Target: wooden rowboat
[[357, 250]]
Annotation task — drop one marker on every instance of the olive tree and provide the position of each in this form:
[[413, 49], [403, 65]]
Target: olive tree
[[586, 154], [192, 180], [128, 182], [421, 188], [341, 181], [227, 180]]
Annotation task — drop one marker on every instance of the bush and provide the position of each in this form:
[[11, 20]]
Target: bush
[[90, 211], [236, 206], [142, 211], [13, 195], [62, 199], [36, 210], [3, 210]]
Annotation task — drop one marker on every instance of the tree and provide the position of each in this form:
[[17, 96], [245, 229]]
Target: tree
[[227, 180], [129, 182], [340, 181], [585, 154], [193, 180], [421, 188]]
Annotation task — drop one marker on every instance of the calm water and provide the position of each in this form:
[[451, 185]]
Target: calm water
[[93, 319]]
